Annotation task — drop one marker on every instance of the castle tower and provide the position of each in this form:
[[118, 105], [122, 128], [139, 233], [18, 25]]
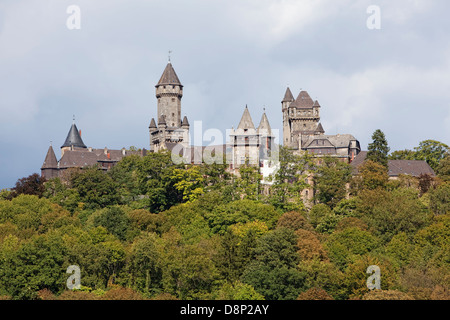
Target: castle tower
[[73, 139], [171, 130], [169, 92], [287, 100], [301, 117], [244, 142], [49, 168]]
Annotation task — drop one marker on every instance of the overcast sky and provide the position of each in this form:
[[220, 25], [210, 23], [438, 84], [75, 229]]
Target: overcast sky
[[227, 53]]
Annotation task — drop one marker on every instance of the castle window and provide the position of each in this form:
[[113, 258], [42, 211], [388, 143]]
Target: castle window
[[173, 114], [173, 99]]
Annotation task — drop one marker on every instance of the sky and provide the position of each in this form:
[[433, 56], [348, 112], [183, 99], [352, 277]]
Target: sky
[[228, 54]]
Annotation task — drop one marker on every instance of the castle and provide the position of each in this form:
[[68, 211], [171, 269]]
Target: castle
[[302, 131]]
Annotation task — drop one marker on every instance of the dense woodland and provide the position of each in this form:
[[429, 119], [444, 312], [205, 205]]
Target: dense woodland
[[150, 229]]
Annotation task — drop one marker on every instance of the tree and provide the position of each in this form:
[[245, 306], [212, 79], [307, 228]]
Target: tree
[[238, 291], [314, 294], [345, 246], [440, 199], [293, 220], [330, 181], [389, 213], [432, 152], [32, 185], [189, 182], [154, 176], [273, 272], [371, 175], [378, 150], [241, 211], [115, 220], [289, 180], [95, 188], [402, 155], [443, 169]]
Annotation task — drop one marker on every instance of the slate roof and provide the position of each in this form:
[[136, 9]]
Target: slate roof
[[74, 138], [396, 167], [89, 157], [303, 101], [246, 120], [412, 167], [50, 161], [264, 126], [152, 124], [185, 121], [169, 77], [288, 97]]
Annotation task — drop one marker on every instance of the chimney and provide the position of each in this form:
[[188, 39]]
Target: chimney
[[79, 132]]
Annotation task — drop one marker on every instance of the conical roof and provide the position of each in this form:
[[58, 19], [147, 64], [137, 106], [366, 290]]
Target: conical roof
[[316, 104], [320, 128], [303, 101], [246, 120], [50, 161], [152, 124], [74, 138], [185, 121], [288, 97], [264, 126], [169, 77]]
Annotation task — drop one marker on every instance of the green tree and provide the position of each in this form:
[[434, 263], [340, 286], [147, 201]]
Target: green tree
[[330, 181], [154, 177], [289, 180], [115, 220], [378, 149], [440, 199], [432, 152], [238, 291], [402, 155], [371, 175], [389, 213], [443, 169], [95, 188], [241, 211], [273, 272], [189, 182], [345, 246]]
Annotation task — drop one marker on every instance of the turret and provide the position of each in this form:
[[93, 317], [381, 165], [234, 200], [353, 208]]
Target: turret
[[169, 92]]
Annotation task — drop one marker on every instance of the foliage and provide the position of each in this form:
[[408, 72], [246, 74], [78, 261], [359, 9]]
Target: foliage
[[330, 181], [32, 185], [150, 229], [273, 271], [378, 148]]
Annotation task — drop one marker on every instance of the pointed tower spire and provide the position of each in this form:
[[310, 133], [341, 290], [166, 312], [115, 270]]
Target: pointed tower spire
[[74, 138], [152, 124], [50, 161], [185, 122], [319, 128], [246, 120], [264, 126], [169, 77], [304, 100], [288, 97]]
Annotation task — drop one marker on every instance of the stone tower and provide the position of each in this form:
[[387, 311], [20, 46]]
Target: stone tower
[[170, 129], [301, 117], [251, 145]]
